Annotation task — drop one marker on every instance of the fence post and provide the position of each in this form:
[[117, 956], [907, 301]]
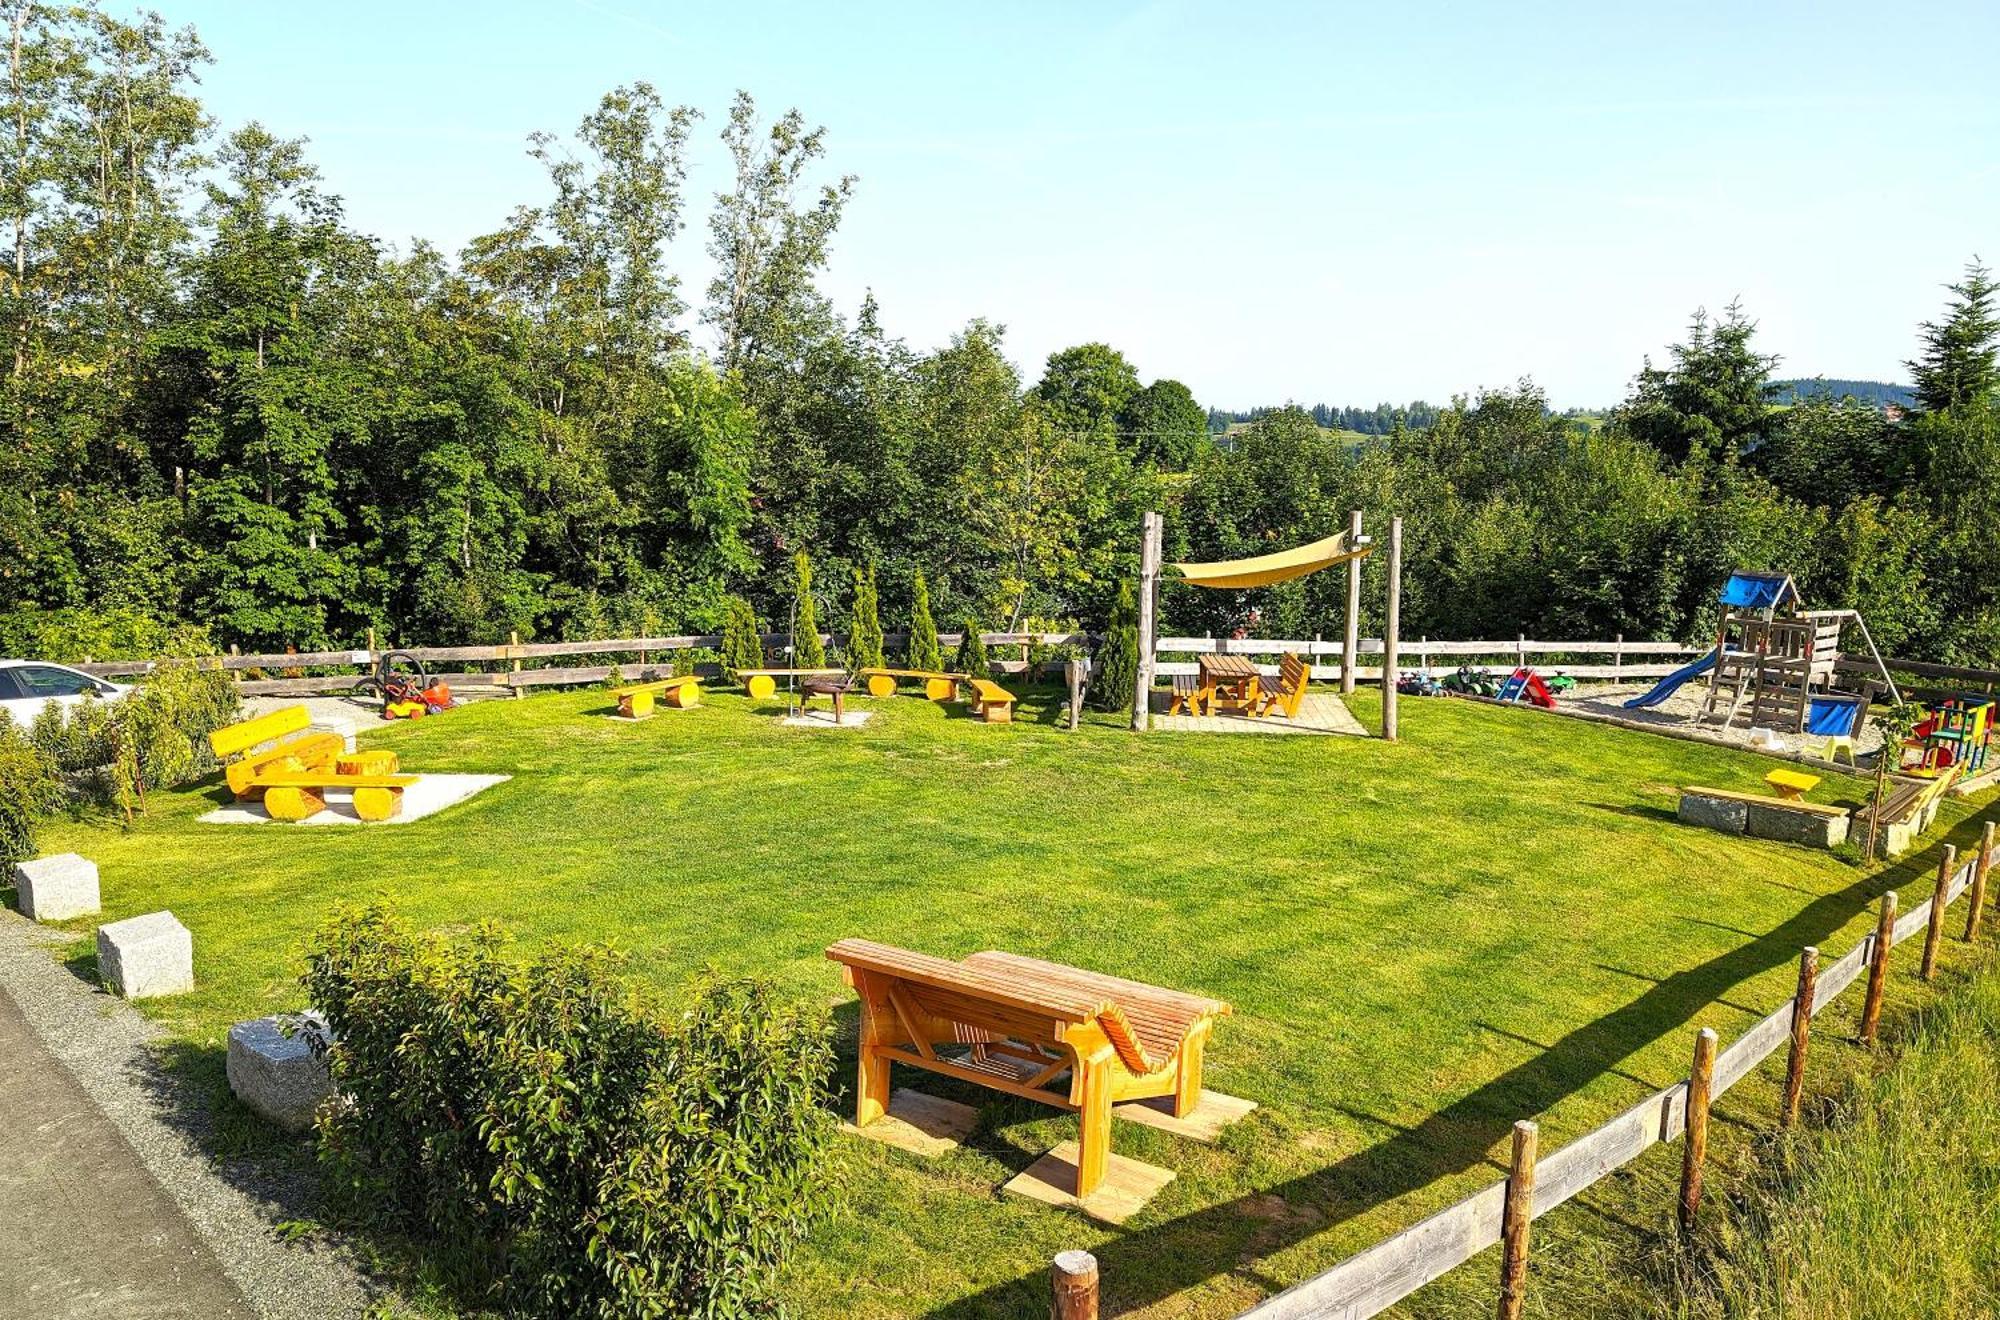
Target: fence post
[[1878, 968], [1351, 628], [371, 641], [1979, 869], [1617, 656], [1802, 1011], [1520, 650], [1074, 1278], [1695, 1153], [1392, 642], [1149, 576], [1519, 1214], [1934, 931]]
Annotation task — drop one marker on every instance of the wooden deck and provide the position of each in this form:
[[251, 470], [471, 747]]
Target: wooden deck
[[1320, 712]]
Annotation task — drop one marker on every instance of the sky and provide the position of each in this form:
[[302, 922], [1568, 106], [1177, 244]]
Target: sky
[[1345, 203]]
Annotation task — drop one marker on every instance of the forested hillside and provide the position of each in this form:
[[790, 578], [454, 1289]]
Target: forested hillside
[[224, 406]]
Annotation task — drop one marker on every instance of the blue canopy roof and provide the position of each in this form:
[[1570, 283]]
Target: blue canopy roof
[[1758, 591]]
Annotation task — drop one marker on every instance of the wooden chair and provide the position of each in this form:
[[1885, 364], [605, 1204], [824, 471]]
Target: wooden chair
[[1290, 693], [1187, 695], [1020, 1025]]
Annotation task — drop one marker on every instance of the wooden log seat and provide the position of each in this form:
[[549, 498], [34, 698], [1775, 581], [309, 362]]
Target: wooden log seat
[[296, 796], [279, 740], [635, 700], [761, 684], [938, 684], [1024, 1026], [991, 702]]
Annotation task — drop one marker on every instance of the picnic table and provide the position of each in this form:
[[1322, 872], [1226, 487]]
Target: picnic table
[[1231, 679]]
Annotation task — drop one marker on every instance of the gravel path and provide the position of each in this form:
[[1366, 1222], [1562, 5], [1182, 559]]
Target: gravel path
[[144, 1222]]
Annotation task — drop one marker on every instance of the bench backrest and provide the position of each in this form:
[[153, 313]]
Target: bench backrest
[[235, 739], [1291, 672]]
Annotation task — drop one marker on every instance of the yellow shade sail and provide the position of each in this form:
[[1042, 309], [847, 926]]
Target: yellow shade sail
[[1263, 570]]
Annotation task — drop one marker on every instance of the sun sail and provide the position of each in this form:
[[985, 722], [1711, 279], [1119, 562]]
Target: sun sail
[[1263, 570]]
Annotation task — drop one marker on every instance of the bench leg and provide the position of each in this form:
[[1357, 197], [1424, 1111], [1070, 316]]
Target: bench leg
[[1187, 1082], [377, 804], [1094, 1137], [871, 1088]]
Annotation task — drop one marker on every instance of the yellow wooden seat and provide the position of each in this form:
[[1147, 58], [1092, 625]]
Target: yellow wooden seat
[[1290, 694], [991, 702], [1792, 785], [635, 700], [241, 748], [297, 795], [762, 683], [1021, 1025], [938, 684]]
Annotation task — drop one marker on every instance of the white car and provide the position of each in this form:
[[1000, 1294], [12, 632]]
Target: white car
[[26, 686]]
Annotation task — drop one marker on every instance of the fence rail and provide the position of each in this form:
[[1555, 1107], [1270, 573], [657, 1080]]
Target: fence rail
[[1378, 1277]]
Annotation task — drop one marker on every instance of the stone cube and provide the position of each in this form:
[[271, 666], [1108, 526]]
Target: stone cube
[[280, 1077], [56, 888], [335, 724], [1786, 825], [1725, 814], [142, 957]]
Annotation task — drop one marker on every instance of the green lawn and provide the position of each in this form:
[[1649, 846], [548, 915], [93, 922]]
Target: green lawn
[[1496, 918]]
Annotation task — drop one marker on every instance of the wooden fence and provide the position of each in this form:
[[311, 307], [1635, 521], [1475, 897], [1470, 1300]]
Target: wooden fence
[[1373, 1280], [1627, 660]]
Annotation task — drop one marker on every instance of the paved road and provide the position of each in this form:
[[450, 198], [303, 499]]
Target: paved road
[[87, 1232]]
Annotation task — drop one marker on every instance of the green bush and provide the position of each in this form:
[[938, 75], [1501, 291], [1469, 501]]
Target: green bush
[[971, 658], [160, 732], [30, 790], [864, 632], [807, 650], [1116, 673], [559, 1141], [741, 647], [923, 652]]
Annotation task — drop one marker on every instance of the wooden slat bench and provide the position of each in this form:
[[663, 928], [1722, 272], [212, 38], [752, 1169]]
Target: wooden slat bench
[[1020, 1025], [991, 702], [291, 774], [635, 700], [1909, 807], [274, 741], [1187, 695], [295, 796], [1290, 693]]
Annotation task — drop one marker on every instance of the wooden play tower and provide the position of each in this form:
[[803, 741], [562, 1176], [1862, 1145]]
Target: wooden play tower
[[1773, 655]]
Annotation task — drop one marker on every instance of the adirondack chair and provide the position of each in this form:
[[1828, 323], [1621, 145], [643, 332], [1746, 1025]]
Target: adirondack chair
[[1290, 693], [1020, 1025]]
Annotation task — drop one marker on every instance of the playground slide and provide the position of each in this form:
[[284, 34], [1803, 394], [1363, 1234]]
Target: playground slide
[[1667, 686]]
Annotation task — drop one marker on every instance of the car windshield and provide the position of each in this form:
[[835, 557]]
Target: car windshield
[[49, 681]]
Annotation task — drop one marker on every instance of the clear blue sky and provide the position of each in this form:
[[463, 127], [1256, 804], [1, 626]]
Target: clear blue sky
[[1284, 201]]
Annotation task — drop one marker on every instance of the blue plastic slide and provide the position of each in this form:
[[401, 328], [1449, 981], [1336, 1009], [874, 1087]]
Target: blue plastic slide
[[1667, 686]]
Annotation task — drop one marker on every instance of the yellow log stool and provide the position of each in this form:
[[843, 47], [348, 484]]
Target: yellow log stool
[[941, 689], [637, 705], [881, 685], [375, 804], [761, 686], [291, 802], [374, 762], [684, 696]]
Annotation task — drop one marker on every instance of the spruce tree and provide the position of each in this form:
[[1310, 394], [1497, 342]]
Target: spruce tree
[[741, 647], [864, 631], [923, 653], [1116, 672], [971, 658], [1956, 366], [807, 651]]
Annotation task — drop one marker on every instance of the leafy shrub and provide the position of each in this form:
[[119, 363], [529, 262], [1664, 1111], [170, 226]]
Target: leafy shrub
[[741, 647], [971, 658], [160, 732], [807, 650], [563, 1143], [864, 633], [1116, 673], [30, 790], [924, 652]]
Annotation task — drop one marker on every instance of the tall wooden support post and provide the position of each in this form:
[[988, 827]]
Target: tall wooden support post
[[1701, 1081], [1515, 1219], [1878, 968], [1934, 930], [1977, 898], [1149, 584], [1350, 638], [1802, 1011], [1074, 1276], [1392, 634]]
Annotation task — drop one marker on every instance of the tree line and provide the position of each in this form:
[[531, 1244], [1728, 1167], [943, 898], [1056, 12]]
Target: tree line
[[224, 406]]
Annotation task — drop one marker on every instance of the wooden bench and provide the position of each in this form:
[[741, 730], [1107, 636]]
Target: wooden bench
[[762, 683], [297, 795], [635, 700], [991, 702], [1908, 809], [1290, 694], [1187, 695], [279, 740], [1021, 1025], [938, 685]]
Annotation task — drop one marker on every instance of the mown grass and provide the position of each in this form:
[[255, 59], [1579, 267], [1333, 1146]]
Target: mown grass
[[1495, 918]]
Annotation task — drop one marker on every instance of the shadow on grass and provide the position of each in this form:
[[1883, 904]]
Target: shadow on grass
[[1635, 811], [1149, 1264]]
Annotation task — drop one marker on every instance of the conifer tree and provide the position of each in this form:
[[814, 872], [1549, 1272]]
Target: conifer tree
[[807, 652], [864, 632], [1956, 366], [1116, 672], [923, 652], [741, 647], [971, 658]]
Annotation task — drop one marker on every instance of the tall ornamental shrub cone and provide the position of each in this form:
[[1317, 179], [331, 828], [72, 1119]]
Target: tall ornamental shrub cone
[[592, 1151], [924, 652], [971, 658], [741, 647], [1116, 672], [31, 790], [807, 651], [864, 632]]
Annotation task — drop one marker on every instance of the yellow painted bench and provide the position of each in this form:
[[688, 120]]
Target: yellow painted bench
[[761, 683], [241, 748], [295, 796], [1022, 1026], [938, 684], [991, 702], [635, 700]]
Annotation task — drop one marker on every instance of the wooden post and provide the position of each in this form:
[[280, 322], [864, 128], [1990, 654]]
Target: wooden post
[[1934, 931], [1977, 897], [371, 641], [1149, 577], [1392, 640], [1694, 1154], [1878, 968], [1074, 1279], [1802, 1011], [1076, 669], [1515, 1220], [1617, 656], [1350, 637], [1520, 650]]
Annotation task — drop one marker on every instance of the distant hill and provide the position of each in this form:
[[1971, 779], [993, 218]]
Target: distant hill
[[1878, 392]]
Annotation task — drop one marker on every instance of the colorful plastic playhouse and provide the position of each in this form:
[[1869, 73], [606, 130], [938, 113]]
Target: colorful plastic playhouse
[[1956, 734]]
